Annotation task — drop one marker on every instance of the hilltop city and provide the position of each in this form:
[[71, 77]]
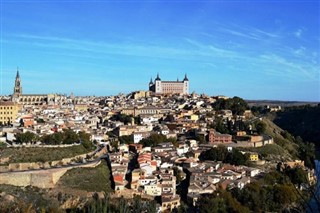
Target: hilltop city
[[165, 145]]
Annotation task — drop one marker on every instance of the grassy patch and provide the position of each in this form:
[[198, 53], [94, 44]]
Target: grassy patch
[[270, 149], [88, 179], [42, 154], [274, 131]]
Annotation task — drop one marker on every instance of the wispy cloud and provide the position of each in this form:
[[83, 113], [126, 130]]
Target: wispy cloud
[[109, 48], [261, 32], [239, 33], [247, 32], [276, 63], [291, 69], [210, 49], [300, 51], [298, 33]]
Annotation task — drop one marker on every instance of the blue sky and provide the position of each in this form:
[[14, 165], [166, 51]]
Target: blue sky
[[251, 49]]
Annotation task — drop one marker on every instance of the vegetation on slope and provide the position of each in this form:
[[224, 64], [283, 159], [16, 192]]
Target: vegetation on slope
[[67, 136], [278, 136], [135, 205], [41, 154], [26, 199], [95, 179], [276, 192], [303, 121]]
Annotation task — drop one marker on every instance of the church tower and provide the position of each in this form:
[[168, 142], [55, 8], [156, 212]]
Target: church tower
[[17, 91]]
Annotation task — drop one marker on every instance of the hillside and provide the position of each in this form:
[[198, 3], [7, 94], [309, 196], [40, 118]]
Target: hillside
[[279, 103], [277, 133], [303, 121], [283, 149], [87, 179]]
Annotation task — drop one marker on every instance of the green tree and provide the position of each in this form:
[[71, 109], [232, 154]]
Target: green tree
[[52, 139], [153, 140], [221, 201], [215, 154], [236, 105], [85, 140], [236, 158], [220, 126], [261, 127], [122, 118], [69, 136], [297, 175], [284, 194], [307, 154], [126, 139], [221, 153], [27, 137]]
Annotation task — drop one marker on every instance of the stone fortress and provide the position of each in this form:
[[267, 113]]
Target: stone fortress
[[169, 87]]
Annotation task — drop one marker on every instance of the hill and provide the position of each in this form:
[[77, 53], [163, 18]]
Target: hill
[[284, 149], [303, 121], [279, 103]]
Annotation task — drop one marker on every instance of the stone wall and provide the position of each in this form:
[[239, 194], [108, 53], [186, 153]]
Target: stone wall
[[44, 178], [46, 165], [29, 145], [130, 193]]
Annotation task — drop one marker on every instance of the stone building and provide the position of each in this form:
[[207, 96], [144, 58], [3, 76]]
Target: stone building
[[169, 87], [8, 112], [145, 111], [216, 137]]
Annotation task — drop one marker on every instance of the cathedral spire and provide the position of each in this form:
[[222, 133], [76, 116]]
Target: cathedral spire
[[17, 91], [18, 75]]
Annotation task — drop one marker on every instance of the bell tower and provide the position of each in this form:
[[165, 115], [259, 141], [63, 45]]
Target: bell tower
[[17, 91]]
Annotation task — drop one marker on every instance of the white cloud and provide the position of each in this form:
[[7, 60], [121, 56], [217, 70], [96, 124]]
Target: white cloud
[[300, 51], [298, 33]]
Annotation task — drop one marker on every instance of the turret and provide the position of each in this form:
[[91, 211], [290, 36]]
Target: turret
[[158, 78], [185, 78]]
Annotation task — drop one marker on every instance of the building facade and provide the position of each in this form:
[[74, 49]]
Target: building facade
[[145, 111], [8, 112], [169, 87], [34, 99], [216, 137]]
